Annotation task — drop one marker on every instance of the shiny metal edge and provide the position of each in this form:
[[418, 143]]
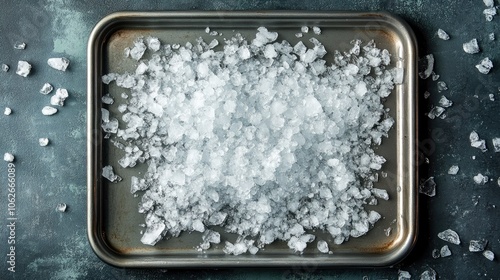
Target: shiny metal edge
[[407, 162]]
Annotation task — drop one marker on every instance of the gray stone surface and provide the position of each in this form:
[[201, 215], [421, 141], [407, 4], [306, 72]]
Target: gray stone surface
[[53, 245]]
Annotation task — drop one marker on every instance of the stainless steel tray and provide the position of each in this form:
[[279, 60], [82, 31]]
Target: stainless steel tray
[[113, 217]]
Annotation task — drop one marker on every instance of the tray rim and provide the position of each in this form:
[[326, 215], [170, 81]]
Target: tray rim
[[96, 237]]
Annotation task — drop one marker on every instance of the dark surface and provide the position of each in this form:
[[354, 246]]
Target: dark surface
[[51, 245]]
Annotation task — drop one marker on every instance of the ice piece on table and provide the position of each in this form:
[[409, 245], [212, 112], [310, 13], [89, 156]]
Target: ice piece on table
[[445, 251], [7, 111], [108, 173], [428, 187], [489, 13], [107, 99], [23, 68], [380, 193], [429, 274], [480, 179], [427, 94], [138, 50], [436, 254], [20, 46], [43, 141], [491, 36], [153, 234], [8, 157], [322, 246], [316, 30], [477, 245], [426, 66], [111, 126], [264, 37], [445, 102], [49, 111], [5, 67], [304, 29], [214, 43], [46, 89], [58, 63], [471, 46], [61, 207], [153, 43], [441, 86], [453, 170], [489, 255], [449, 235], [211, 236], [435, 112], [496, 144], [207, 30], [404, 275], [484, 66], [442, 34], [299, 35], [476, 142], [489, 3], [58, 98], [398, 75]]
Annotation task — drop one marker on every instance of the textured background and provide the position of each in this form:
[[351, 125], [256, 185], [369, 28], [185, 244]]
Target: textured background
[[53, 245]]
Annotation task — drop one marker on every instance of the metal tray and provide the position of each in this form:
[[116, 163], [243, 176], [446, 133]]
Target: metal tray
[[113, 217]]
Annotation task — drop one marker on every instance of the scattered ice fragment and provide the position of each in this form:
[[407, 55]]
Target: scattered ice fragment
[[427, 94], [496, 144], [435, 112], [489, 255], [46, 89], [5, 67], [58, 63], [108, 173], [380, 193], [316, 30], [476, 142], [138, 50], [491, 36], [153, 43], [489, 3], [304, 29], [322, 246], [480, 179], [211, 236], [107, 99], [61, 207], [498, 181], [387, 231], [20, 46], [207, 30], [429, 274], [428, 187], [445, 102], [23, 68], [442, 34], [404, 275], [264, 37], [445, 251], [58, 98], [213, 33], [436, 254], [441, 86], [49, 111], [489, 13], [477, 245], [7, 111], [299, 35], [214, 43], [153, 232], [484, 66], [110, 126], [426, 66], [471, 46], [398, 75], [491, 96], [449, 236], [8, 157], [435, 76], [453, 170], [43, 141]]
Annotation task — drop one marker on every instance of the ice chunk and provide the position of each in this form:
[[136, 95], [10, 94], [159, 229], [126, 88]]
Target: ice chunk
[[108, 173], [428, 274], [441, 86], [404, 275], [373, 217], [322, 246], [442, 34], [299, 35], [445, 102], [43, 141], [380, 193], [316, 30], [436, 254], [46, 89], [480, 179], [489, 13], [198, 226], [7, 111], [491, 96], [388, 231], [436, 112], [153, 43], [207, 30], [477, 245], [304, 29], [264, 37], [428, 187], [20, 46], [107, 99], [8, 157], [489, 255], [49, 111], [453, 170], [449, 236], [491, 36], [296, 244], [484, 66], [153, 234], [5, 67], [61, 207], [58, 98], [138, 50], [23, 68], [211, 236], [445, 251], [496, 144], [476, 142], [489, 3], [398, 75], [426, 66], [312, 106], [214, 43], [58, 63], [471, 46], [427, 94]]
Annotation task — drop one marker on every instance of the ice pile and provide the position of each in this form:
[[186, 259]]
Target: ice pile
[[262, 138]]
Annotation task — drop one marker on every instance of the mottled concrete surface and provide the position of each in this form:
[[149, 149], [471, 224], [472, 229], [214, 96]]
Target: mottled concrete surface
[[51, 245]]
